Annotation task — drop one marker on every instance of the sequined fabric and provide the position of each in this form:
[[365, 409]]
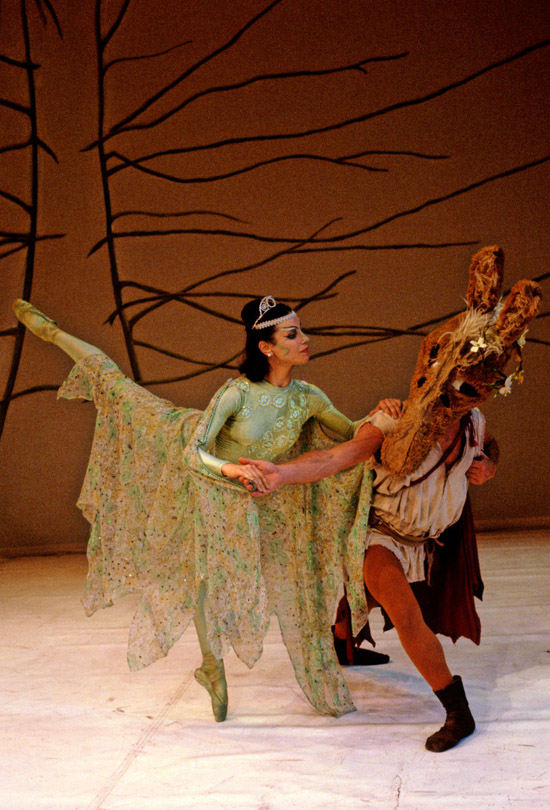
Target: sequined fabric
[[162, 522]]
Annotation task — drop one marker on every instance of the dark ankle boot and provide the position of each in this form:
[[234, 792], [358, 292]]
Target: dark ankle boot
[[361, 657], [459, 722]]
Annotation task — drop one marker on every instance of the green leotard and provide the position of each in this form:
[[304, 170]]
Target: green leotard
[[260, 420]]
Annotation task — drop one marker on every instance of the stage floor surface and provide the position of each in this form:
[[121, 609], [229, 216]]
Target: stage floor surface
[[79, 731]]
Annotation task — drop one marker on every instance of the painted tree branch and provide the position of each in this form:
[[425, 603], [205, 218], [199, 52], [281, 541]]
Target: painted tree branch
[[169, 214], [265, 77], [382, 111], [343, 160], [225, 273], [340, 237], [139, 58], [213, 178], [189, 71]]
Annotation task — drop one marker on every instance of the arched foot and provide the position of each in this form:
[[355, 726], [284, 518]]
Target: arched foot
[[38, 323], [211, 675]]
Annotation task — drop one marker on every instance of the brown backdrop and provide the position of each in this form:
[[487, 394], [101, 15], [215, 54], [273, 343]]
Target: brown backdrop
[[347, 156]]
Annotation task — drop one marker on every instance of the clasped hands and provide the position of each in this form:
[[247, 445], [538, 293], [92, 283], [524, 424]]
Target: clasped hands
[[262, 477], [259, 477]]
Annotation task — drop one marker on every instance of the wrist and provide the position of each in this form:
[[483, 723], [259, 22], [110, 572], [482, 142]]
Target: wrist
[[284, 472]]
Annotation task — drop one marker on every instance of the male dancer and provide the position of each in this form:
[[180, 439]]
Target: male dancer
[[408, 514], [427, 458]]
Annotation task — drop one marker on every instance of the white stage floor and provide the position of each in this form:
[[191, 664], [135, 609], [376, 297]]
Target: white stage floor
[[79, 731]]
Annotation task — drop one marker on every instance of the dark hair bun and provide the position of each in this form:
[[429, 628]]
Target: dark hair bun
[[250, 312]]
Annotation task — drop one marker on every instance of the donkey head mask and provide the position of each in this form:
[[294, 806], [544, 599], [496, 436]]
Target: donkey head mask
[[462, 362]]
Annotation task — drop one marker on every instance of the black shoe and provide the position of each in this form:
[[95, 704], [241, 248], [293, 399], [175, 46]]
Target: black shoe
[[361, 657]]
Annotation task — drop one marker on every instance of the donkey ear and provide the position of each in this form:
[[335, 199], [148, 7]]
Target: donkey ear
[[520, 307], [485, 281]]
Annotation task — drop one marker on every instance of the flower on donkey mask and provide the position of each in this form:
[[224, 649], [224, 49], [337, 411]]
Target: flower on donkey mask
[[506, 388], [479, 343], [522, 339]]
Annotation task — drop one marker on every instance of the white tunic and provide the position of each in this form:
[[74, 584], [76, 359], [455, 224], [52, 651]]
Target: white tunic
[[426, 509]]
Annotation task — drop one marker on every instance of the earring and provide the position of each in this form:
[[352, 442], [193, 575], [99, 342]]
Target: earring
[[269, 354]]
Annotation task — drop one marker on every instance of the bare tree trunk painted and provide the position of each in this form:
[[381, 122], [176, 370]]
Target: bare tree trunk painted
[[28, 240]]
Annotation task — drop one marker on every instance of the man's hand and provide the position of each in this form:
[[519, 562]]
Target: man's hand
[[271, 478], [393, 407], [484, 466], [482, 469], [247, 474]]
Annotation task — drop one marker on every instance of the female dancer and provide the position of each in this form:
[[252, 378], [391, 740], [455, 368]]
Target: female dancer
[[170, 518]]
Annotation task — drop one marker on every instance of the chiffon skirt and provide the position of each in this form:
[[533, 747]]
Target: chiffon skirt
[[161, 524]]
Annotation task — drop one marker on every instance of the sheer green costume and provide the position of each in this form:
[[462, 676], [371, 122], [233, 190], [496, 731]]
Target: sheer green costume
[[164, 519]]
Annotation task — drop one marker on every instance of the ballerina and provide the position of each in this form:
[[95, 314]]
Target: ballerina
[[171, 519]]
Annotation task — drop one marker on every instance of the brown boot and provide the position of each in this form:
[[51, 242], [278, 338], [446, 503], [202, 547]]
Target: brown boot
[[459, 722]]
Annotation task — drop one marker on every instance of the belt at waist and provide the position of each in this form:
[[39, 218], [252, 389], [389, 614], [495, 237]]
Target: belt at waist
[[377, 522]]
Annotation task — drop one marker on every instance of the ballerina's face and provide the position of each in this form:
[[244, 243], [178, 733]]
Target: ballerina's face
[[289, 344]]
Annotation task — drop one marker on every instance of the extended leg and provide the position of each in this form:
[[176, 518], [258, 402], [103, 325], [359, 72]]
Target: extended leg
[[211, 673], [386, 581], [46, 329]]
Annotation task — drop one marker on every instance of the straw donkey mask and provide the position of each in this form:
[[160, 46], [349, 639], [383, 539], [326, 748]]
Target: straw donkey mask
[[461, 363]]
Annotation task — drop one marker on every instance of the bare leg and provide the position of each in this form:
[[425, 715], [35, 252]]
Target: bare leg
[[211, 673], [46, 329], [385, 579]]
